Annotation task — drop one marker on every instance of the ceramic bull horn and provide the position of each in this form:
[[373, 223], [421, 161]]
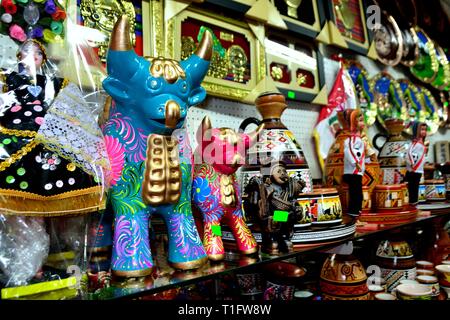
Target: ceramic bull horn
[[150, 157]]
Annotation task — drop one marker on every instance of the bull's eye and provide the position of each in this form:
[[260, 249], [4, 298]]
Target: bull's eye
[[154, 84]]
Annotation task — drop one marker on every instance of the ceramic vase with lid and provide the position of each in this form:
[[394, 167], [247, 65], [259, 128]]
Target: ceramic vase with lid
[[392, 156], [275, 143], [396, 261], [343, 277]]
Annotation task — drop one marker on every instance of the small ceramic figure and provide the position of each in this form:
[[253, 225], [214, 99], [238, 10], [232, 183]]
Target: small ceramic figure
[[275, 194], [151, 161], [415, 160], [354, 162], [215, 189]]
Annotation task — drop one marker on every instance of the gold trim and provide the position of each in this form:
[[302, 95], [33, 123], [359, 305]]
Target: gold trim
[[399, 53], [322, 96], [314, 27], [18, 133], [324, 34], [336, 36], [250, 251], [189, 264], [18, 155], [411, 63], [75, 202], [372, 53], [216, 257], [131, 274], [214, 86], [3, 81]]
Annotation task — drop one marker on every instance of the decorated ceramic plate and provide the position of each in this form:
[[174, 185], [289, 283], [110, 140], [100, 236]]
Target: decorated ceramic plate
[[427, 66], [388, 97], [360, 79]]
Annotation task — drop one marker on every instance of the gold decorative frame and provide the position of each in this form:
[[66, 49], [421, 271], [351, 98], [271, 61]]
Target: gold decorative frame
[[345, 40], [296, 25], [169, 44], [293, 89]]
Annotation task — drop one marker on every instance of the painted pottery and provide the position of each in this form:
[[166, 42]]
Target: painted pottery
[[435, 190], [424, 272], [334, 164], [373, 290], [422, 193], [422, 264], [392, 155], [251, 285], [150, 156], [396, 261], [282, 278], [303, 295], [343, 278], [323, 205], [443, 272], [431, 282], [444, 168], [413, 292], [384, 297], [216, 195], [275, 142], [389, 197]]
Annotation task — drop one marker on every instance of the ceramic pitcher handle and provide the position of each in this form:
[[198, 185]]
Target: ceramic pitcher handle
[[248, 121], [375, 139]]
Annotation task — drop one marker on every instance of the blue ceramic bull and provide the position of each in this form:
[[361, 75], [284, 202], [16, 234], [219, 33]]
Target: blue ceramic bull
[[151, 167]]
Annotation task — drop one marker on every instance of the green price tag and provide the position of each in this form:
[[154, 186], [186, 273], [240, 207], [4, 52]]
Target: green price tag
[[291, 94], [280, 216], [216, 230]]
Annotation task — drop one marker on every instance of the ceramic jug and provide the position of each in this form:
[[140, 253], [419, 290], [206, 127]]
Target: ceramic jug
[[276, 142], [392, 155], [396, 261]]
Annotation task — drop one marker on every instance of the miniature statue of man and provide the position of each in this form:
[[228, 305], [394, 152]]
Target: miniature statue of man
[[415, 160]]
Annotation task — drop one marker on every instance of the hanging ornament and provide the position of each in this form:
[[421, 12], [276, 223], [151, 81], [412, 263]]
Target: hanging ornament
[[31, 14]]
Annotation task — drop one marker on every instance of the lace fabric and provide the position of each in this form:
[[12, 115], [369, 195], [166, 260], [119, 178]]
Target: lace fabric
[[71, 130]]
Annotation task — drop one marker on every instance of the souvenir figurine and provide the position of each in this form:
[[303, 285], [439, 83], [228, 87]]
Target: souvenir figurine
[[354, 162], [54, 161], [215, 190], [274, 198], [151, 165], [415, 160]]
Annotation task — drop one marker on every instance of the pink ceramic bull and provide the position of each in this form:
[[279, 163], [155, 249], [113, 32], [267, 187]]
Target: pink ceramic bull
[[215, 191]]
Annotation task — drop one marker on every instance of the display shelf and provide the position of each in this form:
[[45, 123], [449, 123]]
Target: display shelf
[[164, 277]]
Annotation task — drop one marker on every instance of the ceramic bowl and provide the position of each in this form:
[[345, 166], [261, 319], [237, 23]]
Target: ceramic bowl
[[408, 281], [343, 277], [413, 291], [430, 281], [422, 264], [444, 274], [447, 291], [385, 297], [303, 295], [424, 272]]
